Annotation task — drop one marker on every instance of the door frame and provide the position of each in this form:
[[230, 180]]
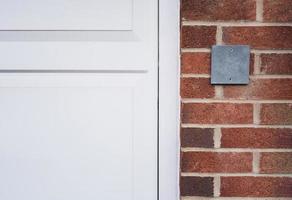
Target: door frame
[[169, 100]]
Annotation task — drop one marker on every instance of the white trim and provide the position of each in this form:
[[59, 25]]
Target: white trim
[[169, 101]]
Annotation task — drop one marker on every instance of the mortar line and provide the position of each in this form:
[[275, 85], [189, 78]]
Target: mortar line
[[256, 162], [257, 63], [216, 186], [256, 113], [259, 10], [217, 137]]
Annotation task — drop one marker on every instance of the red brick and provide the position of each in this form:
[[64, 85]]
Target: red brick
[[277, 11], [276, 63], [197, 63], [197, 137], [274, 89], [213, 162], [217, 113], [280, 162], [256, 187], [268, 37], [198, 36], [197, 88], [196, 186], [213, 10], [256, 138], [274, 114]]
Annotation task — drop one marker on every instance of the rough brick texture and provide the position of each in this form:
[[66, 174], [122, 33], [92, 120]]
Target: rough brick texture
[[196, 88], [276, 162], [276, 63], [197, 137], [256, 187], [260, 37], [277, 89], [256, 138], [277, 11], [213, 10], [217, 113], [216, 162], [197, 63], [238, 135], [196, 186], [276, 114], [198, 36]]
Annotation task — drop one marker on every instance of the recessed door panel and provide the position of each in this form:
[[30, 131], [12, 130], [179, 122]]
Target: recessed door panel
[[76, 137], [66, 15]]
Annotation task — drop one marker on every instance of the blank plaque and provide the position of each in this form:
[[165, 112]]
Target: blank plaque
[[230, 64]]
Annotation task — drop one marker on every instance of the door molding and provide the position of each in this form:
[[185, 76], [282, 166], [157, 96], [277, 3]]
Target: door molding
[[169, 101]]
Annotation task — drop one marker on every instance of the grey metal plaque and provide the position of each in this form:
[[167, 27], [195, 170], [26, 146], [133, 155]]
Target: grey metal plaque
[[230, 64]]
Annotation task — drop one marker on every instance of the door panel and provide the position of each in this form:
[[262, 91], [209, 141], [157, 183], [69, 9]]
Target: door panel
[[78, 100], [66, 15], [96, 48], [77, 136]]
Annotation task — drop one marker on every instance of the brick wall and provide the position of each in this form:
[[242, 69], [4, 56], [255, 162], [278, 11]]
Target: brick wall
[[236, 141]]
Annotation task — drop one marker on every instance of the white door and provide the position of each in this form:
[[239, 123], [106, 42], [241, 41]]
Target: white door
[[78, 99]]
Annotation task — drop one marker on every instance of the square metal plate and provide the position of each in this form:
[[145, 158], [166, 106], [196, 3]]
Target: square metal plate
[[230, 64]]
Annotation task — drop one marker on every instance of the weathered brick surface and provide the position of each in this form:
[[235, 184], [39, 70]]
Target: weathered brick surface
[[274, 114], [196, 186], [198, 36], [267, 37], [217, 113], [216, 162], [197, 88], [274, 89], [276, 162], [197, 137], [256, 138], [196, 63], [277, 11], [256, 187], [276, 63], [214, 10]]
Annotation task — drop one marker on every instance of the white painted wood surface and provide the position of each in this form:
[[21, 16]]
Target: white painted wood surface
[[66, 14], [79, 118]]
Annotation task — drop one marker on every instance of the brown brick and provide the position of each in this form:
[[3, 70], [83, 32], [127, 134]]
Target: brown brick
[[280, 162], [198, 36], [268, 37], [196, 186], [274, 114], [276, 63], [217, 113], [197, 137], [277, 11], [213, 10], [214, 162], [197, 63], [197, 88], [256, 187], [256, 138], [274, 89]]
